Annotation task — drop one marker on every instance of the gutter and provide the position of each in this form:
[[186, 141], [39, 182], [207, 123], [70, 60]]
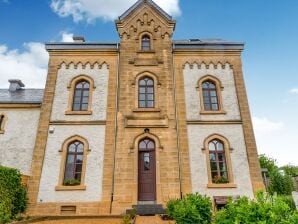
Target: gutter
[[177, 122], [115, 128]]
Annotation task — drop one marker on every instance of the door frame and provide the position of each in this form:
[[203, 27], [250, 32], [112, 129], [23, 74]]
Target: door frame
[[140, 152], [134, 152]]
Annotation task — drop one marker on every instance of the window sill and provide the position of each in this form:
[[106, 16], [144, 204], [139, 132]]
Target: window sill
[[146, 110], [146, 52], [216, 112], [228, 185], [70, 188], [88, 112]]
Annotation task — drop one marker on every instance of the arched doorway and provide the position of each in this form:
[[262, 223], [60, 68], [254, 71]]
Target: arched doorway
[[147, 171]]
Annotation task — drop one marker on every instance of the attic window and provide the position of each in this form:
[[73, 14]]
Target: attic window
[[146, 45]]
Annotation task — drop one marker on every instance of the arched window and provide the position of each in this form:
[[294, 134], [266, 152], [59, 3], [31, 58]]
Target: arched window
[[146, 44], [81, 96], [146, 93], [218, 164], [1, 122], [74, 163], [210, 97]]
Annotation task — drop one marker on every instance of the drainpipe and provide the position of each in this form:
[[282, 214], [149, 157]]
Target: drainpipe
[[177, 122], [115, 127]]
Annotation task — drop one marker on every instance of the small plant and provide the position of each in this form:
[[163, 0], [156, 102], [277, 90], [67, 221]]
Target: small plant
[[71, 182], [192, 209], [220, 180], [127, 219]]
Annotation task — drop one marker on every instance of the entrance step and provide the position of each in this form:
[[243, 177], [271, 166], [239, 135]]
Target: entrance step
[[149, 209], [151, 220]]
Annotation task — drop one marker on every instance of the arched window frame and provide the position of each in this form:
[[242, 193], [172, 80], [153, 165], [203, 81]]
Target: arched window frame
[[71, 88], [141, 37], [219, 89], [227, 150], [3, 119], [156, 91], [63, 154]]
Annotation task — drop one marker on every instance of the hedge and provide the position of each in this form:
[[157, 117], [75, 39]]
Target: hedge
[[12, 194]]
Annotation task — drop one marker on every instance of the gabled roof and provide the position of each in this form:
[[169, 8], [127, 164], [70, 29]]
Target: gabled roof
[[21, 96], [140, 3]]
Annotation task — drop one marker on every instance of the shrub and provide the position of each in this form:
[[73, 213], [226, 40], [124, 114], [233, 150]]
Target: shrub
[[192, 209], [12, 194], [281, 184], [266, 209]]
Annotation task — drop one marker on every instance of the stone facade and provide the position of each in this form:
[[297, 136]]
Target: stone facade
[[114, 124]]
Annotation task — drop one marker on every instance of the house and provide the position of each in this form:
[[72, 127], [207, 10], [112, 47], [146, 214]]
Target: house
[[137, 122]]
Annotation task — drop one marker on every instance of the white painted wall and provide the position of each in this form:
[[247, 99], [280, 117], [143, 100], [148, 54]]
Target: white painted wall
[[17, 143], [94, 167], [192, 98], [99, 98], [198, 161]]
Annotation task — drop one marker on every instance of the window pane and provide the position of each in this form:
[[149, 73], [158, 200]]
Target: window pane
[[77, 176], [213, 100], [146, 161], [142, 104], [78, 93], [212, 157], [212, 146], [220, 146], [77, 99], [78, 168], [142, 97], [150, 97], [84, 106], [86, 93], [142, 82], [142, 90], [79, 159], [79, 85], [150, 82], [214, 107], [80, 147], [150, 145], [213, 166], [213, 93], [85, 99], [150, 90], [150, 104], [222, 167], [207, 106], [72, 148]]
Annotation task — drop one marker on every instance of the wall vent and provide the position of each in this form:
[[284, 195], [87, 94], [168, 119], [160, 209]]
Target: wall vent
[[68, 209]]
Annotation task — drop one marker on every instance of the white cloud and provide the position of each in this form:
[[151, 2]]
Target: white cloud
[[66, 37], [294, 91], [30, 66], [276, 139], [265, 126], [90, 10]]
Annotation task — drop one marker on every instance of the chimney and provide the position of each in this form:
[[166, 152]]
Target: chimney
[[15, 84], [78, 39]]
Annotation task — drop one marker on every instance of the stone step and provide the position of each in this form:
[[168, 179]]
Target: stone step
[[151, 220], [149, 209]]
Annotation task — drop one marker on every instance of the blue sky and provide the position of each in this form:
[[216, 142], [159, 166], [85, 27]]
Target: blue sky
[[269, 29]]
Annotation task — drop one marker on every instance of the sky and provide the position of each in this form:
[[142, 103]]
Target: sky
[[269, 29]]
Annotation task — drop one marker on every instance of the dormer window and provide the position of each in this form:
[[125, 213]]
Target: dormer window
[[146, 44]]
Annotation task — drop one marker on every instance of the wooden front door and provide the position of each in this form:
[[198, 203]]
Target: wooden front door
[[147, 171]]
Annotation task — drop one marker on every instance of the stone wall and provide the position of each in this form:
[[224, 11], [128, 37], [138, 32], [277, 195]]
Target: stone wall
[[198, 159], [17, 141], [95, 135]]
